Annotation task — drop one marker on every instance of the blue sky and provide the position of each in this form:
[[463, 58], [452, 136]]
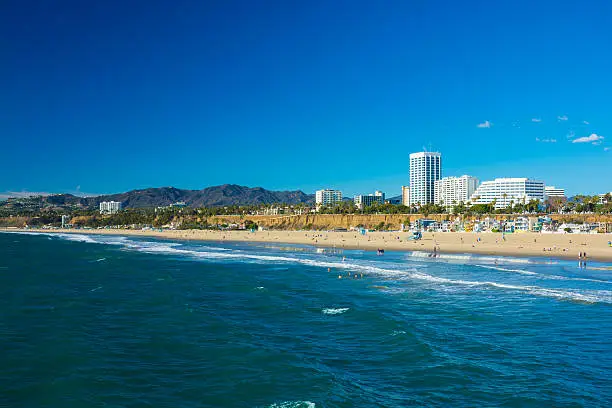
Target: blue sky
[[103, 97]]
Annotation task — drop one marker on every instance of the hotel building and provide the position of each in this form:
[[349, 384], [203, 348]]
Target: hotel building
[[450, 191], [328, 197], [552, 191], [110, 207], [506, 190], [362, 201], [425, 170]]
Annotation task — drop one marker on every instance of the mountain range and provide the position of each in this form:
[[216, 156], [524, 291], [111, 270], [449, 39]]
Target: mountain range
[[224, 195]]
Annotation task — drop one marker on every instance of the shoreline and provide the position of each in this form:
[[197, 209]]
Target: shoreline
[[526, 244]]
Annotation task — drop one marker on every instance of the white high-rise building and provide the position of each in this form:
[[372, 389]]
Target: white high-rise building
[[406, 196], [552, 191], [506, 190], [450, 191], [362, 201], [110, 207], [328, 197], [425, 170]]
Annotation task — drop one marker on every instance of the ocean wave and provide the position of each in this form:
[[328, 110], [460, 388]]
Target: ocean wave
[[543, 275], [467, 257], [293, 404], [497, 268], [592, 296], [77, 238], [332, 311], [403, 273], [68, 237]]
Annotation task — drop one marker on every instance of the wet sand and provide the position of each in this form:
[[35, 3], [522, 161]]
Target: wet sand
[[517, 244]]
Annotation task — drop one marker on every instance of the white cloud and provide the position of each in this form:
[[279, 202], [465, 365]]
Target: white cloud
[[485, 124], [588, 139], [563, 118], [606, 149], [536, 120], [585, 122], [546, 140]]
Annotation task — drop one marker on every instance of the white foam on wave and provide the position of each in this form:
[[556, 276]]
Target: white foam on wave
[[466, 257], [543, 275], [77, 238], [497, 268], [592, 296], [68, 237], [332, 311], [293, 404]]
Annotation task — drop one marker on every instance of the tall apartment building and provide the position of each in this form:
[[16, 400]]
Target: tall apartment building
[[425, 170], [362, 201], [449, 191], [110, 207], [506, 190], [328, 197], [406, 196]]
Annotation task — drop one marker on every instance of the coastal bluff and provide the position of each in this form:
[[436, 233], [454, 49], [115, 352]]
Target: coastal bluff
[[373, 221]]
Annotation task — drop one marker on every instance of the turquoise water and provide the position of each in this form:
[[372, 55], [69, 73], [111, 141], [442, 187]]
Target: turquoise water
[[126, 322]]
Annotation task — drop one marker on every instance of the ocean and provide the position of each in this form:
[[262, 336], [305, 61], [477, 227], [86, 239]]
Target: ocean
[[112, 321]]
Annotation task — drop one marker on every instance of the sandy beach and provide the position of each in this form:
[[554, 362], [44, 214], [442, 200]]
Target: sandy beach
[[519, 244]]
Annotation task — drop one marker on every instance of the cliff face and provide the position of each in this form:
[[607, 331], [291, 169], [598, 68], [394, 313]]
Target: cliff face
[[390, 221]]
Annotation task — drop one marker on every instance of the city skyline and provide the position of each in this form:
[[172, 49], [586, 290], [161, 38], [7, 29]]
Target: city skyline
[[297, 95]]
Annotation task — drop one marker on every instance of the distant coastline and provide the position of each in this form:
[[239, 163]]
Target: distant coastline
[[526, 244]]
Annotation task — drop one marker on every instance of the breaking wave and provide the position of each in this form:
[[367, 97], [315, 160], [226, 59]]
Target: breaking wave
[[331, 311], [543, 275], [401, 273]]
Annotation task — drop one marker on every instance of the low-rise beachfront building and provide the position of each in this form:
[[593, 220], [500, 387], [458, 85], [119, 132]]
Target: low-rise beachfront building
[[450, 191], [504, 191], [605, 228], [603, 198], [406, 196], [521, 224], [362, 201], [552, 191], [328, 197], [110, 207]]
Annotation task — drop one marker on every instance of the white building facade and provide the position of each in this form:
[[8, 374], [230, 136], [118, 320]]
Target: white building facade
[[450, 191], [406, 196], [425, 170], [505, 191], [362, 201], [328, 197], [110, 207], [552, 191]]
